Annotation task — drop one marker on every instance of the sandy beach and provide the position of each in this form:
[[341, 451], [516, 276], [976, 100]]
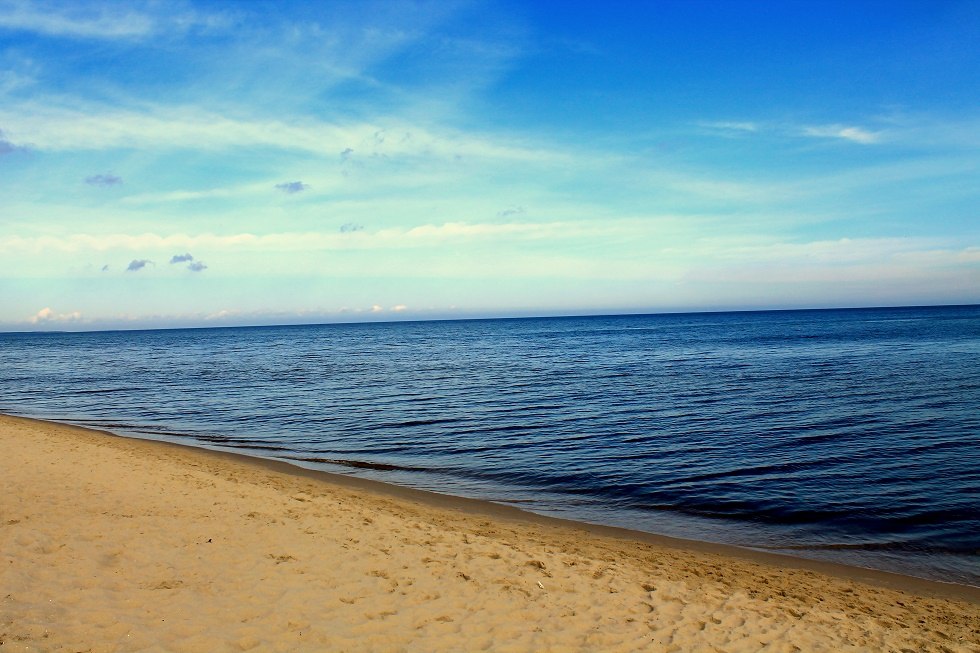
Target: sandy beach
[[115, 544]]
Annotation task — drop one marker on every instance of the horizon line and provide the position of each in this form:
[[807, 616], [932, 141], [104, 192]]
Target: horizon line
[[496, 318]]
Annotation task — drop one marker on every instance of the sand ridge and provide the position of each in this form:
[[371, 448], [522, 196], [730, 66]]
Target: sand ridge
[[115, 544]]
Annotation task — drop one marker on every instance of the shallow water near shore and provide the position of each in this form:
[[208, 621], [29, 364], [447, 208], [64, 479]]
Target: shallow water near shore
[[845, 435]]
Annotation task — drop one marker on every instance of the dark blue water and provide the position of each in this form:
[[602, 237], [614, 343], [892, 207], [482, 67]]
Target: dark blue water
[[849, 435]]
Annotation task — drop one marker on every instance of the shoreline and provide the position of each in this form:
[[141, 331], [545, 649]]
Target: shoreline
[[877, 577], [121, 544]]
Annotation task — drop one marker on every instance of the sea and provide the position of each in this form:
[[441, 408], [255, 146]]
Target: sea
[[846, 435]]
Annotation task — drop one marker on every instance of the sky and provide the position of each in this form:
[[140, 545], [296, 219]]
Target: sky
[[170, 164]]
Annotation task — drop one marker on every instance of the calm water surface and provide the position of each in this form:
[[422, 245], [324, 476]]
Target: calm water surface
[[849, 435]]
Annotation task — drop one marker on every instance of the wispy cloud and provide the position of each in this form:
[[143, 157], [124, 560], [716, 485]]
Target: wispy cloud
[[137, 264], [393, 237], [109, 21], [852, 133], [840, 253], [351, 227], [180, 258], [190, 196], [265, 316], [845, 132], [107, 179], [50, 127], [927, 131], [292, 187], [197, 266], [6, 147], [730, 127], [82, 21], [11, 80]]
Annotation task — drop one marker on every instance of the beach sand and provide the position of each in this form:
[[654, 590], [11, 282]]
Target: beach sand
[[116, 544]]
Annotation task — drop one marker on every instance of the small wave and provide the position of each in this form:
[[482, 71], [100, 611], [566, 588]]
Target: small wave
[[903, 546], [358, 464], [238, 443]]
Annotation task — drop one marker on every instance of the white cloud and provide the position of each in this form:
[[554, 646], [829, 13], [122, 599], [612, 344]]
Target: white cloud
[[42, 315], [848, 133], [46, 315], [222, 315]]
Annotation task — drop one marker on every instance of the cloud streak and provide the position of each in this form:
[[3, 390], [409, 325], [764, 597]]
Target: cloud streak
[[730, 127], [423, 235], [852, 133], [98, 127], [642, 246], [84, 22], [844, 132], [106, 22]]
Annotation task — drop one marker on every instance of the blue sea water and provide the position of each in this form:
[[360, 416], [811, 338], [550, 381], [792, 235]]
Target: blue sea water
[[848, 435]]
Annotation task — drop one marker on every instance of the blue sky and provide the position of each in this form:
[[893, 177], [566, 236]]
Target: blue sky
[[216, 163]]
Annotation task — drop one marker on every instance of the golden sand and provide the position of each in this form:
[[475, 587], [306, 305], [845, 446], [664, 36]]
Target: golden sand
[[115, 544]]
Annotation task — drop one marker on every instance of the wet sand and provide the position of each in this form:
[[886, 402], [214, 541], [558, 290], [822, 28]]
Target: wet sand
[[116, 544]]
